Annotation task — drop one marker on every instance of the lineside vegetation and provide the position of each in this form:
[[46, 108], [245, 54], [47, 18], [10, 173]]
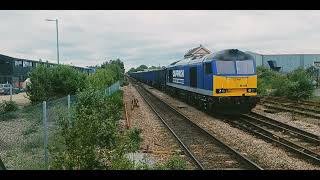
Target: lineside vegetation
[[92, 137], [297, 84]]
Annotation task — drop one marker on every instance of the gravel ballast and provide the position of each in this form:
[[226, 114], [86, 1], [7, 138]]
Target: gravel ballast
[[158, 141], [263, 153]]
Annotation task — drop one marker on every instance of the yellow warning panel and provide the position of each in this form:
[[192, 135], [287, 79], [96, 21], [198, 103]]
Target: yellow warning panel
[[234, 85]]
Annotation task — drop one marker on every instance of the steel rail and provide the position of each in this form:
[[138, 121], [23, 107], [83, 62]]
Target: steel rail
[[234, 153], [296, 106], [283, 126], [264, 133]]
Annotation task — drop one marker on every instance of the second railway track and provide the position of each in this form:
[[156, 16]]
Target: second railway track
[[306, 108], [300, 142], [206, 151]]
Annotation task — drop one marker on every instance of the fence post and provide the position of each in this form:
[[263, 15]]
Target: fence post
[[69, 110], [10, 92], [45, 124]]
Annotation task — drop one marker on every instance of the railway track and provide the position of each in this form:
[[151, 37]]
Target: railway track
[[205, 150], [300, 107], [312, 104], [300, 142]]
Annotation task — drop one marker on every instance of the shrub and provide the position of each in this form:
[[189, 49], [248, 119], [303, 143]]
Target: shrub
[[280, 85], [300, 86], [294, 85], [93, 125], [8, 106], [92, 140], [265, 79], [54, 82]]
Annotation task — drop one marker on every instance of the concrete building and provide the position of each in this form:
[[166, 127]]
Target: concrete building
[[286, 62]]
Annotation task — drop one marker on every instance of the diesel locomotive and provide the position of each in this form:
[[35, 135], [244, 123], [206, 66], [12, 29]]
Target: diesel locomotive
[[225, 81]]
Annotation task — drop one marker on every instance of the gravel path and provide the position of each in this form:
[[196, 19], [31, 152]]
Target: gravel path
[[265, 154], [157, 139], [308, 124]]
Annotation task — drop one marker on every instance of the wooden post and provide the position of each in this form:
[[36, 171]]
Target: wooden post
[[127, 120]]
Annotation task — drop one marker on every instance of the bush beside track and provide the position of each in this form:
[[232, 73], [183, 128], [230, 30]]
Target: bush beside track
[[294, 85]]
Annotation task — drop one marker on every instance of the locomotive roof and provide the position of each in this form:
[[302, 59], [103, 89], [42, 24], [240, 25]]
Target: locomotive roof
[[224, 55]]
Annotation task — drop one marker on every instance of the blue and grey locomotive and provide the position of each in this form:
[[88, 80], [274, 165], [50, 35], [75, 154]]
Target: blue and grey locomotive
[[225, 80]]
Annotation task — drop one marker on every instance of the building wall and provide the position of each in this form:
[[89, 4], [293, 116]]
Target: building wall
[[310, 58], [287, 62], [257, 57]]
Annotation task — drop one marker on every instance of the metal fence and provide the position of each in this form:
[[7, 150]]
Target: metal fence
[[26, 134]]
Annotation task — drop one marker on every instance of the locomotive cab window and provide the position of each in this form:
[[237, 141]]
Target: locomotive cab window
[[208, 68], [245, 67], [225, 67]]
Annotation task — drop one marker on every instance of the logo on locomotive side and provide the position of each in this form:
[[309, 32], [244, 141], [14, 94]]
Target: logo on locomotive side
[[178, 73], [178, 76]]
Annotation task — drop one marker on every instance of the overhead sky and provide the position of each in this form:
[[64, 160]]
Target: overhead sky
[[153, 37]]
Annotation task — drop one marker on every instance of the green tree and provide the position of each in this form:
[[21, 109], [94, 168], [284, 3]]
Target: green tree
[[106, 75], [141, 68], [117, 67], [132, 70], [153, 67]]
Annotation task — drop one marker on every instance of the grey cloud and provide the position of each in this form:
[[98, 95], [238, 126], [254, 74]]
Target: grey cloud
[[153, 37]]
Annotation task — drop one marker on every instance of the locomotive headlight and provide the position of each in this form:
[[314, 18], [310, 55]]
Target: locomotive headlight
[[251, 90], [221, 91]]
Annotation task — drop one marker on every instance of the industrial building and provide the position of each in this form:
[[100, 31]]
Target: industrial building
[[286, 62], [281, 62], [15, 71]]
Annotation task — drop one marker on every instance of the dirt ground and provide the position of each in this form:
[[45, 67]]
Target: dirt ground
[[21, 99], [158, 142]]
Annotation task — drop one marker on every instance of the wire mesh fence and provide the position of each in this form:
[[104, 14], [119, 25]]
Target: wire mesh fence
[[27, 136]]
